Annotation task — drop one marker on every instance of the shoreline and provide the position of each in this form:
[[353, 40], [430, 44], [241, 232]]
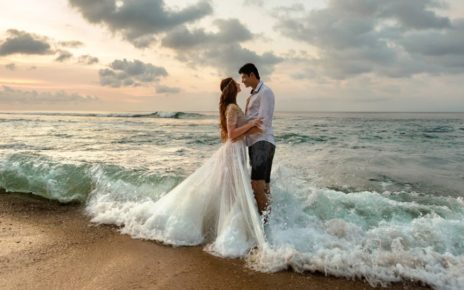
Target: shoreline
[[48, 245]]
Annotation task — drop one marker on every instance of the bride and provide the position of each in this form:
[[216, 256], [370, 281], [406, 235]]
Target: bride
[[215, 205]]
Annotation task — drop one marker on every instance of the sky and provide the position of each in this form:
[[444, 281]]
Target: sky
[[155, 55]]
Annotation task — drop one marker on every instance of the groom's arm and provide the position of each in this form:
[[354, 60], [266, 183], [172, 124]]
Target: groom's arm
[[266, 107]]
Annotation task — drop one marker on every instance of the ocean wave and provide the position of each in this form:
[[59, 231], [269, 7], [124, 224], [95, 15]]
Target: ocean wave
[[294, 138], [74, 182], [439, 129], [18, 146], [430, 136], [168, 115], [204, 139], [37, 174], [381, 237]]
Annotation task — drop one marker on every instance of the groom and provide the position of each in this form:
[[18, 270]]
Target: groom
[[261, 145]]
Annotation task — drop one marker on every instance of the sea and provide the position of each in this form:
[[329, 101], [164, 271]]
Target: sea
[[375, 196]]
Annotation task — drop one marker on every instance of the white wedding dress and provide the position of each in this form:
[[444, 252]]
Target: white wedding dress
[[215, 205]]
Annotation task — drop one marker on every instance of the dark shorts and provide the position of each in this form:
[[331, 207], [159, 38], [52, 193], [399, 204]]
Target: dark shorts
[[261, 154]]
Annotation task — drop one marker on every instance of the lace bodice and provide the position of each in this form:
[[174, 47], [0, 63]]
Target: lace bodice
[[235, 117]]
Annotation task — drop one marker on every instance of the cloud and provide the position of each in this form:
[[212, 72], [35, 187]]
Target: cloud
[[258, 3], [415, 14], [436, 43], [221, 49], [63, 55], [229, 31], [230, 58], [24, 43], [71, 44], [392, 38], [88, 59], [10, 66], [160, 89], [142, 22], [139, 21], [11, 95], [130, 73], [293, 8]]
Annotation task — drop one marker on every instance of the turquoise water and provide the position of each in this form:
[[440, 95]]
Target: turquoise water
[[373, 195]]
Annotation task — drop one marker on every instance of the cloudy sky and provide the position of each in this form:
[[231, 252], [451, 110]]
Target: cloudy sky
[[155, 55]]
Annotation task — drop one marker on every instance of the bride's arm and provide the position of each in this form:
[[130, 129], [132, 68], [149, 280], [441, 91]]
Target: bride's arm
[[237, 132], [254, 130], [234, 132]]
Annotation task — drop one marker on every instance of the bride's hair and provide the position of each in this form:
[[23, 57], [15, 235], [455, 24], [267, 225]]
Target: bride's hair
[[228, 96]]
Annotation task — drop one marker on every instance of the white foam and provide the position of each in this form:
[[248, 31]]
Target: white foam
[[378, 237]]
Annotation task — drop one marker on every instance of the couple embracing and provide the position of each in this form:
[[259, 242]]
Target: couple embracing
[[222, 204]]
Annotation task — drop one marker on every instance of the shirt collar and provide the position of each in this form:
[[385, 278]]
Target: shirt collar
[[258, 87]]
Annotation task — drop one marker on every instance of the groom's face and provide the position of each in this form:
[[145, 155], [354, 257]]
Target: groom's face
[[246, 80]]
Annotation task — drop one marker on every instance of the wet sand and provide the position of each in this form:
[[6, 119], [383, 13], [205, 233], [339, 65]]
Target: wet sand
[[48, 245]]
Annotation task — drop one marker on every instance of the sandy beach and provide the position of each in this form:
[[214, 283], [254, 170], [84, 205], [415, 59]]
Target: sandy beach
[[48, 245]]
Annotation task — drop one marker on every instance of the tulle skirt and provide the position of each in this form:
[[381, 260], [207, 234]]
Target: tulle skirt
[[214, 206]]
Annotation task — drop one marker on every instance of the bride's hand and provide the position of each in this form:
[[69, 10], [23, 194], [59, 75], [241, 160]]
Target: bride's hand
[[257, 126], [258, 123]]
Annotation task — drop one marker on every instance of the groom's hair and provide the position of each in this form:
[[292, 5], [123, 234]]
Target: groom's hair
[[248, 69]]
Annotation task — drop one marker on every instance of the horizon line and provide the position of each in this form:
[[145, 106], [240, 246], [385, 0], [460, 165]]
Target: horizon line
[[209, 111]]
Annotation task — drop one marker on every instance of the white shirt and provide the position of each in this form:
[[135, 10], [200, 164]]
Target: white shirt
[[261, 104]]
